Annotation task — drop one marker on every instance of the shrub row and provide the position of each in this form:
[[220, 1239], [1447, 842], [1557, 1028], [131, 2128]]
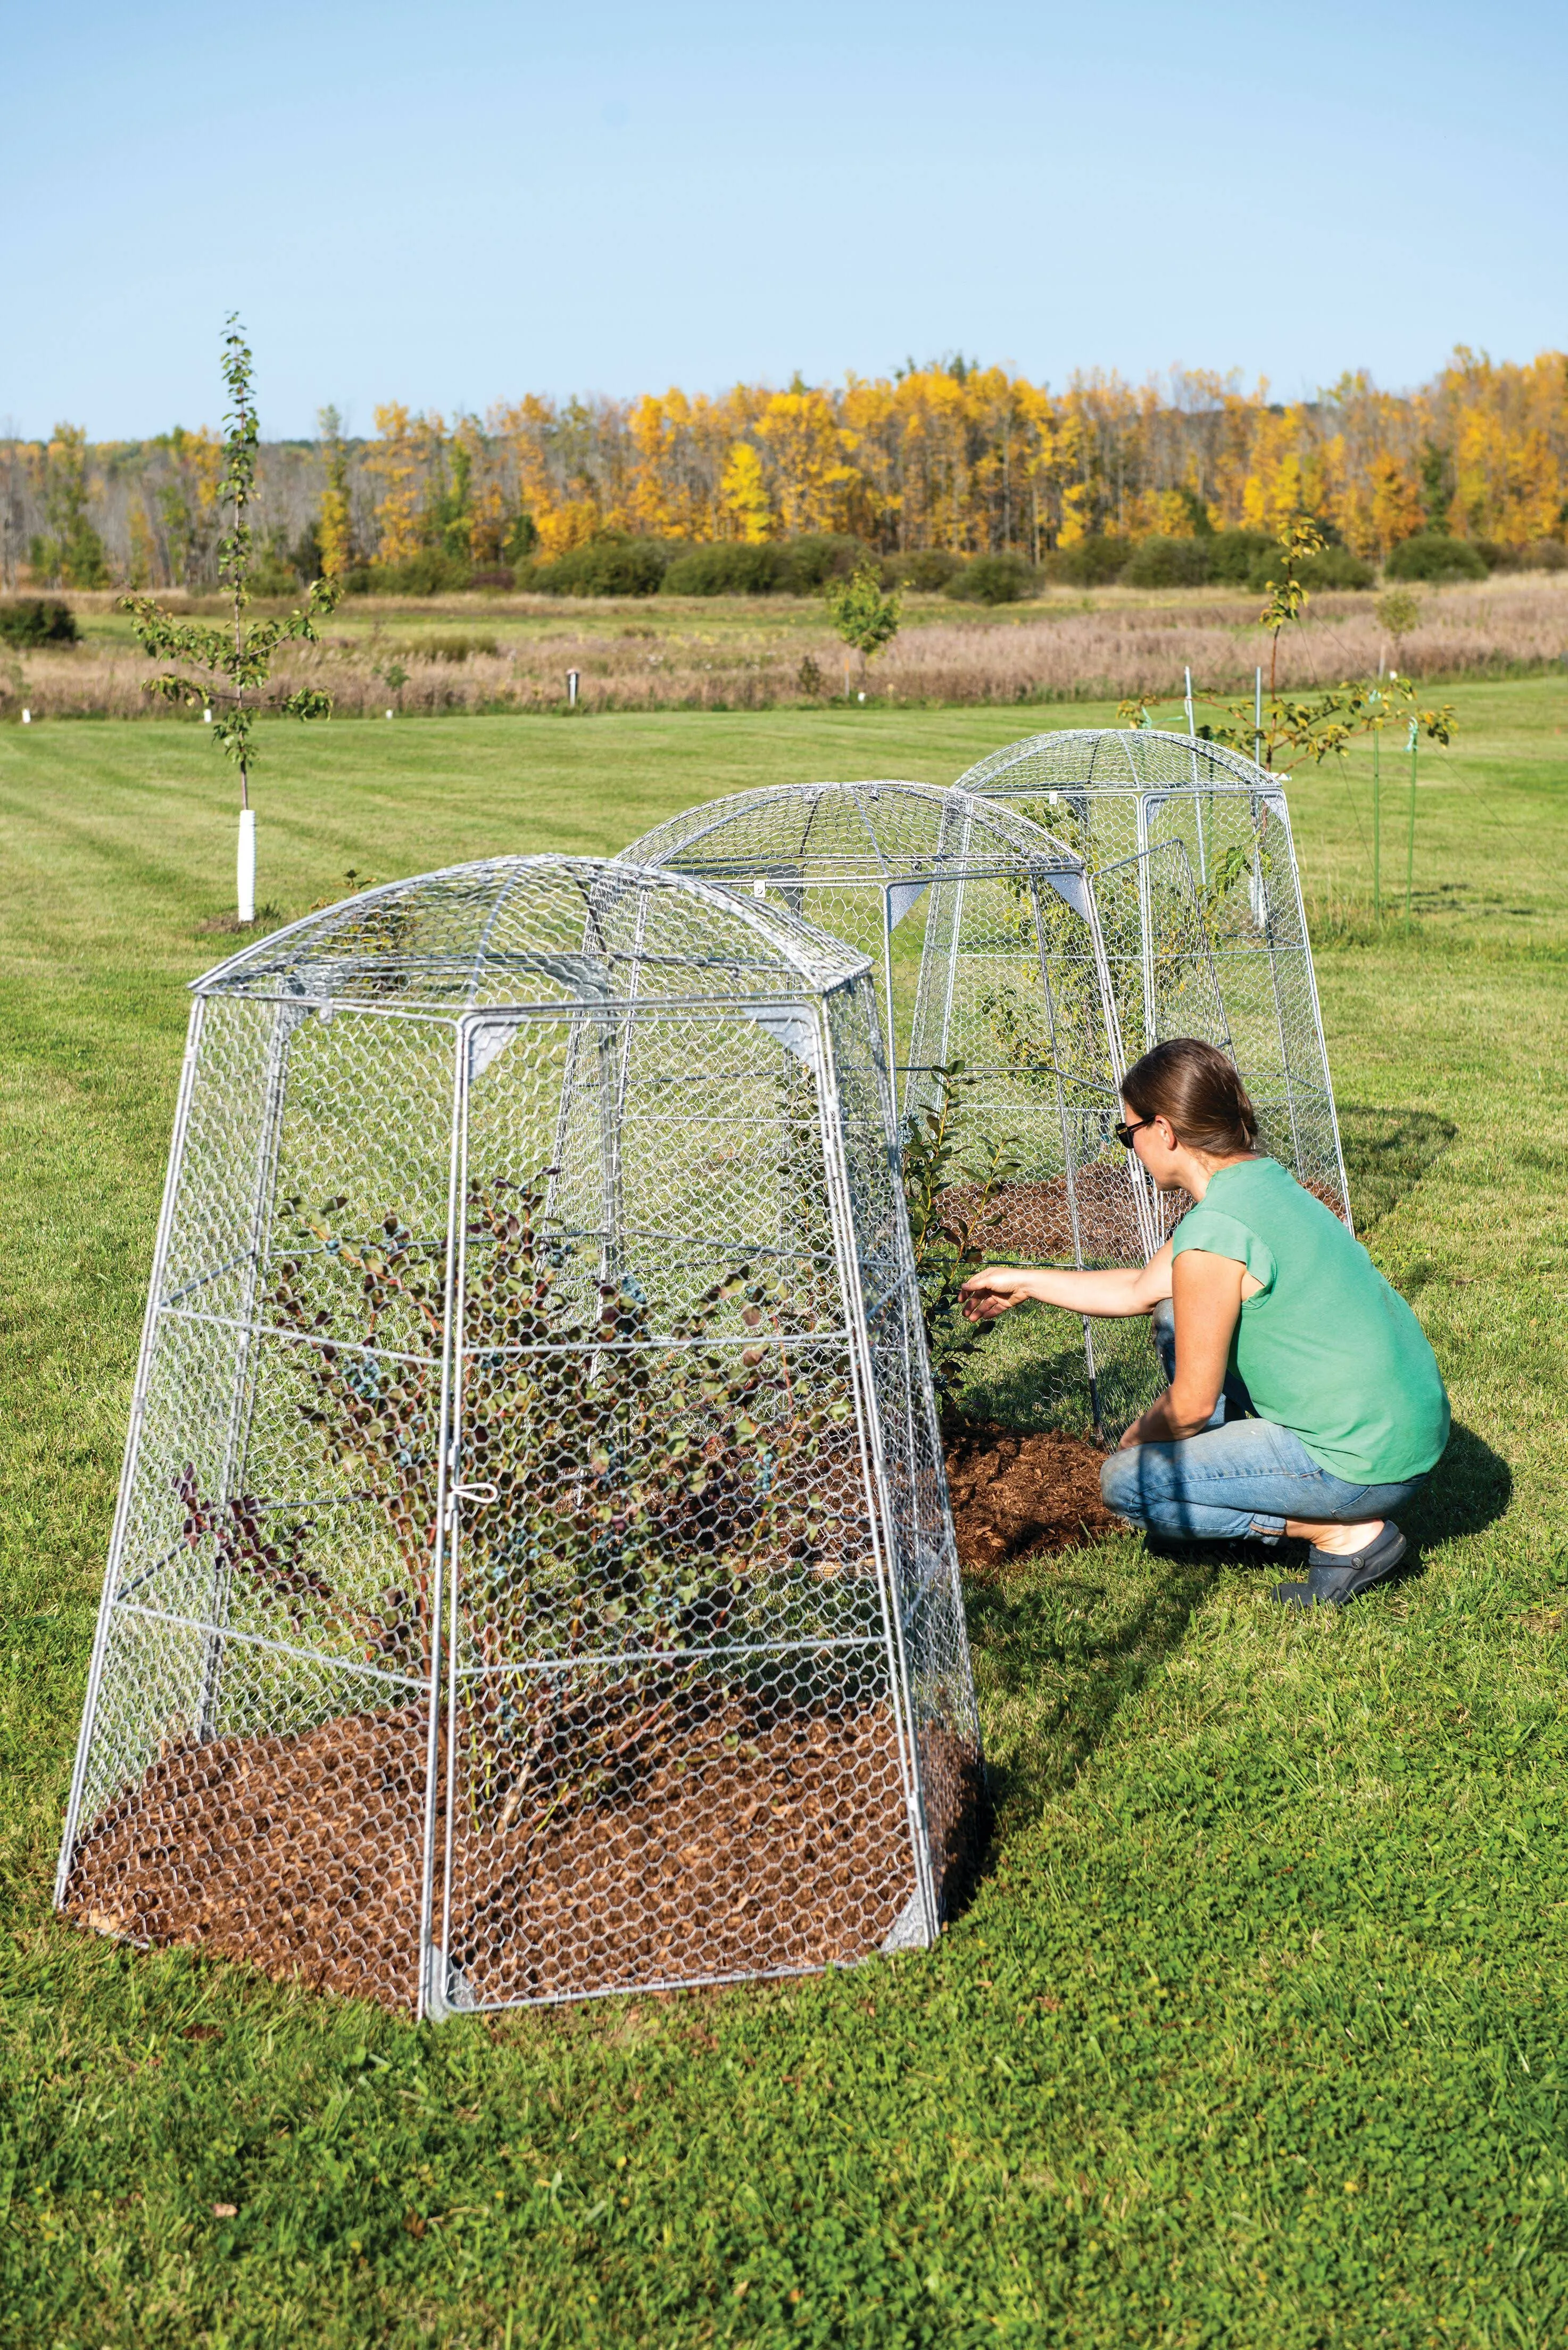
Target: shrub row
[[616, 564]]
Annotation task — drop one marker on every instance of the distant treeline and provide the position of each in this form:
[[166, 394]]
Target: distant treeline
[[1179, 482]]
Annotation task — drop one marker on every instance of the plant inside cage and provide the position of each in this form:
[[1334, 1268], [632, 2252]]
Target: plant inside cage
[[566, 1601]]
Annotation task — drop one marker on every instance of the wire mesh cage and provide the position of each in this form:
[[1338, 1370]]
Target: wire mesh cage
[[991, 964], [533, 1574], [1194, 872]]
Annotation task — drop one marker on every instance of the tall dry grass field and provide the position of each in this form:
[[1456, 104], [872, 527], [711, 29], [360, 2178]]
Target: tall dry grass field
[[738, 658]]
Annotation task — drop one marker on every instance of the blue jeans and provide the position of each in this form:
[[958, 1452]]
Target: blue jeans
[[1238, 1480]]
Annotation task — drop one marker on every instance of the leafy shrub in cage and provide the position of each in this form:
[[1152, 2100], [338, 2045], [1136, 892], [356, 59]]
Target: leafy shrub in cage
[[1194, 875], [986, 943], [532, 1574]]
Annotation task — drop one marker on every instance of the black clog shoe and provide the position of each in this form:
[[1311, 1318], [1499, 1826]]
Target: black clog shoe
[[1335, 1578]]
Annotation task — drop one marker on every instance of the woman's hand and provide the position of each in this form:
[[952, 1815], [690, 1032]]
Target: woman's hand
[[986, 1294]]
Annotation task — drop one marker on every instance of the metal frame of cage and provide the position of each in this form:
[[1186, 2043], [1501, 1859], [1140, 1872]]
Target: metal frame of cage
[[586, 1090], [981, 876], [1122, 794]]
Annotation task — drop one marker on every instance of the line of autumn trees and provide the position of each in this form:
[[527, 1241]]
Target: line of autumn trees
[[951, 457]]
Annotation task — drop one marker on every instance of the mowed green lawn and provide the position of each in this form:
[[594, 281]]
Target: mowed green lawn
[[1251, 2034]]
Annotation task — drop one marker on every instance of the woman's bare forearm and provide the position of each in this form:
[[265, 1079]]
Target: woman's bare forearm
[[1121, 1290]]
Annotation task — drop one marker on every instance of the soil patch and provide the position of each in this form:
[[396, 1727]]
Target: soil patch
[[1035, 1220], [1014, 1495], [749, 1846]]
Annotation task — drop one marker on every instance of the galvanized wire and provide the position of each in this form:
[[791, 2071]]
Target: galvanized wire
[[987, 945], [1120, 796]]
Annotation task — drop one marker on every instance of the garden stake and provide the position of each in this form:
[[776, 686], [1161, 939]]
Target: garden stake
[[1377, 826], [1410, 844]]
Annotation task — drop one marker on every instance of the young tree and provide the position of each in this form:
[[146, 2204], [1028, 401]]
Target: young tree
[[232, 664], [861, 613], [1320, 725], [72, 554]]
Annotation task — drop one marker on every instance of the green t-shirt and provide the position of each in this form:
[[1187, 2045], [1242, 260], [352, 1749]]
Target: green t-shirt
[[1326, 1348]]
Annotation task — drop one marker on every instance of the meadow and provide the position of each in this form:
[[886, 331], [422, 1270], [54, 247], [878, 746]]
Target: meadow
[[499, 654], [1251, 2034]]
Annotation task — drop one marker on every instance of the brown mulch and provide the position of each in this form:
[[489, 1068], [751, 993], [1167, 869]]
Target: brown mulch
[[1014, 1495], [747, 1846], [1034, 1219]]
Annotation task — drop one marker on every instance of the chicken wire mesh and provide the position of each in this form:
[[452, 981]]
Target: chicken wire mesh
[[1120, 796], [531, 1575], [988, 945]]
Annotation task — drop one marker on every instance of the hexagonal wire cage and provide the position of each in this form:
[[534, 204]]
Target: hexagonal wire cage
[[990, 954], [533, 1574], [1178, 832]]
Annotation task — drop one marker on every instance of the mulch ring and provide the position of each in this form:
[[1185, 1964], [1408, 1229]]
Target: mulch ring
[[1014, 1495], [747, 1846], [1034, 1219]]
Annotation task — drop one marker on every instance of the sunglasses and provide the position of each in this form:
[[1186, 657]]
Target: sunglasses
[[1125, 1133]]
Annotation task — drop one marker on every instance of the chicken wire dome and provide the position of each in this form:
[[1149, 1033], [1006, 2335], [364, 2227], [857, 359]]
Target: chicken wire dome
[[986, 944], [532, 1574], [1190, 840]]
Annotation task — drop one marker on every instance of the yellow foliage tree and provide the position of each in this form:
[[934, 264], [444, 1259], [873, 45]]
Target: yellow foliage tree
[[395, 462], [745, 494]]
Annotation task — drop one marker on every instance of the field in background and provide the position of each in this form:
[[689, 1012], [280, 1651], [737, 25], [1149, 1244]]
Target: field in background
[[510, 654], [1251, 2035]]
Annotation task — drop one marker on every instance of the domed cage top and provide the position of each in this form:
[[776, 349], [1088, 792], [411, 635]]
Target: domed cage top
[[531, 1575], [999, 1004], [1186, 836]]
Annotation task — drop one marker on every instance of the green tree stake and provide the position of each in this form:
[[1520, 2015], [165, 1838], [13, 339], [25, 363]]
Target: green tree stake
[[1410, 842], [1377, 826]]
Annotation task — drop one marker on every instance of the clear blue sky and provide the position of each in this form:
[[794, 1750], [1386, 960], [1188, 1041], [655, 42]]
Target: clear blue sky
[[452, 206]]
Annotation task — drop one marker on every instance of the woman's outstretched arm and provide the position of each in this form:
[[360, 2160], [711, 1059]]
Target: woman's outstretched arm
[[1130, 1289]]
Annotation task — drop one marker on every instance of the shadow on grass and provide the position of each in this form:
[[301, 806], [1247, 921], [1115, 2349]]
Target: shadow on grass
[[1062, 1645], [1059, 1651], [1469, 1490], [1386, 1154]]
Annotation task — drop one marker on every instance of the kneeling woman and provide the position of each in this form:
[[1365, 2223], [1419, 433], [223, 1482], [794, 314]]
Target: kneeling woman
[[1304, 1396]]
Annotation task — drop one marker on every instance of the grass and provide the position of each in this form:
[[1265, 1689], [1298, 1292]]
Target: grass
[[1252, 2033]]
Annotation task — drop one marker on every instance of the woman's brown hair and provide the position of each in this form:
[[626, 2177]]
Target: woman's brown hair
[[1194, 1086]]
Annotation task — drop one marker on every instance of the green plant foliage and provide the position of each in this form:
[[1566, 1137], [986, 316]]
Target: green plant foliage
[[70, 553], [1234, 557], [1434, 559], [1318, 727], [35, 621], [227, 669], [819, 557], [429, 573], [949, 1233], [732, 568], [609, 565], [864, 614], [1170, 562], [1091, 562], [677, 1475], [927, 571], [522, 539], [1336, 566], [992, 579]]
